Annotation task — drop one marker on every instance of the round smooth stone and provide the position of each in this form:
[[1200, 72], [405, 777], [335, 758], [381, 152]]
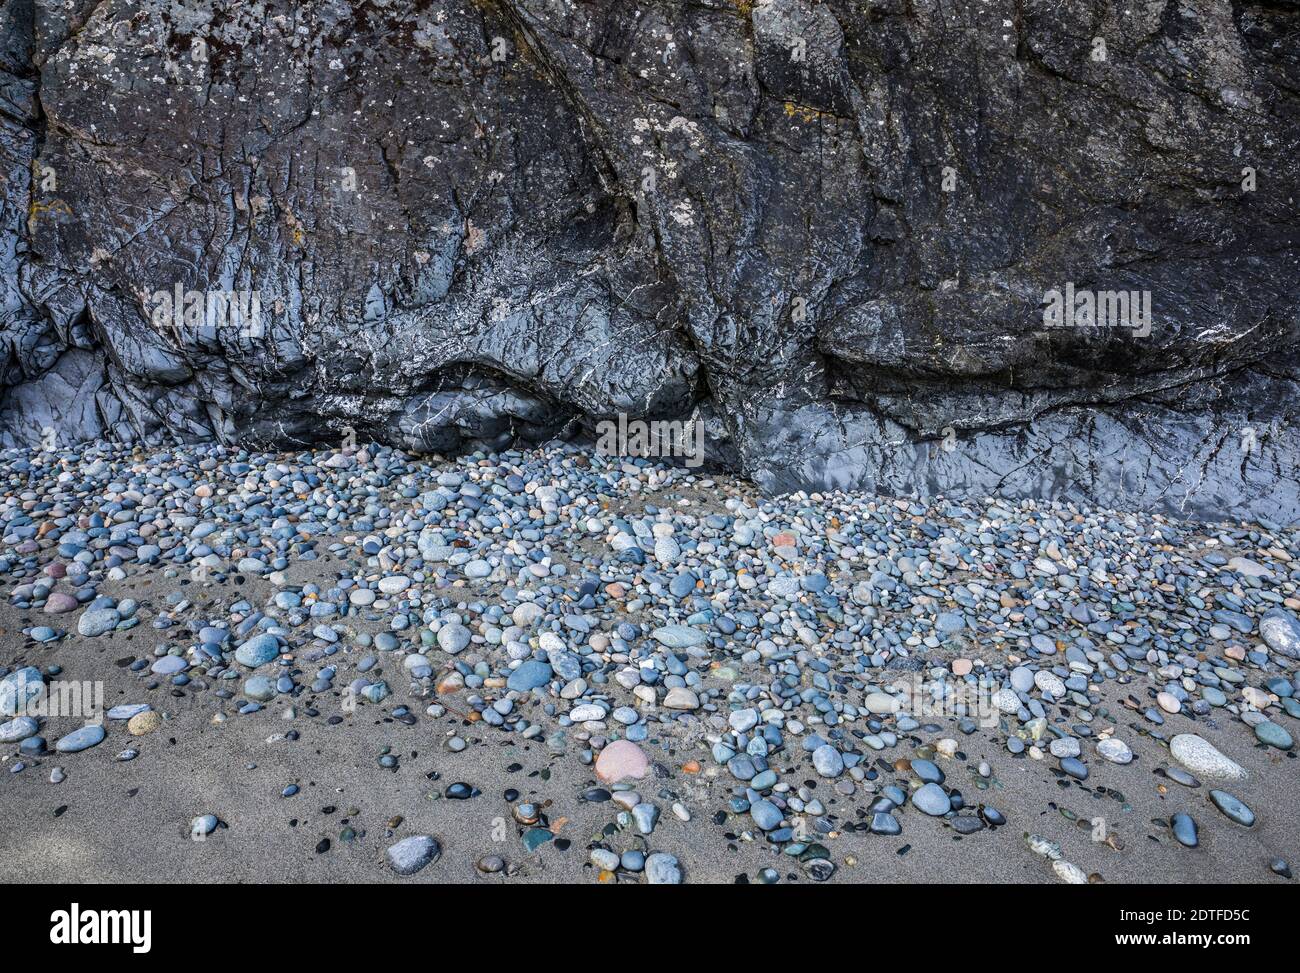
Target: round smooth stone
[[203, 825], [411, 854], [1065, 747], [931, 799], [1213, 696], [59, 603], [928, 771], [993, 816], [526, 614], [765, 814], [681, 698], [19, 728], [394, 584], [743, 720], [260, 689], [949, 623], [828, 761], [453, 638], [143, 723], [20, 689], [1115, 750], [1281, 632], [662, 869], [1049, 683], [530, 675], [621, 760], [257, 651], [1006, 701]]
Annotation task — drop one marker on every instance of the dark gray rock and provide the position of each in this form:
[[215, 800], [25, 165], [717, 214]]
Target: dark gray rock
[[827, 229]]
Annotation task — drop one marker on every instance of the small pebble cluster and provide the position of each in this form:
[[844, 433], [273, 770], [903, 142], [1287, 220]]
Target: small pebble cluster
[[785, 671]]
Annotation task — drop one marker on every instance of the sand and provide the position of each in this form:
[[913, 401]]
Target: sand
[[112, 821]]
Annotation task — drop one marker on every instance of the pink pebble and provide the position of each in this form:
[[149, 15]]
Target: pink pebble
[[621, 760]]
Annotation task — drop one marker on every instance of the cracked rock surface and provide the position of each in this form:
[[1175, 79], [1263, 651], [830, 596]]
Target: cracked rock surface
[[827, 229]]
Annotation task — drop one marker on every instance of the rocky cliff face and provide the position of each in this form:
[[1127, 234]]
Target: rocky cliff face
[[829, 229]]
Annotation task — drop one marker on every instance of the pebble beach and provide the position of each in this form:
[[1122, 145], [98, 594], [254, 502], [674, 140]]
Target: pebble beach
[[552, 666]]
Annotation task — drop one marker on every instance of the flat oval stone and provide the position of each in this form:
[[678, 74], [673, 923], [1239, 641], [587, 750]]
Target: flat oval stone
[[993, 816], [125, 711], [1022, 679], [1273, 735], [97, 621], [679, 636], [1180, 776], [169, 665], [81, 739], [949, 623], [1065, 747], [1184, 829], [882, 704], [966, 824], [1233, 808], [1075, 767]]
